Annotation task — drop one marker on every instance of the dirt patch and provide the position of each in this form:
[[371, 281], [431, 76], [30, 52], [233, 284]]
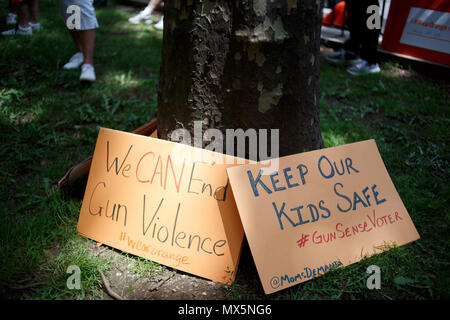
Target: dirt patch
[[162, 283]]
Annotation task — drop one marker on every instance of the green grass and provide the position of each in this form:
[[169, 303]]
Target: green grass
[[408, 116], [48, 122], [409, 119]]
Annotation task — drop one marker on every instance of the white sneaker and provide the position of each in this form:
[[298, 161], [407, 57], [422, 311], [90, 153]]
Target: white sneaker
[[35, 26], [87, 73], [141, 16], [160, 24], [364, 68], [18, 31], [11, 18], [75, 61]]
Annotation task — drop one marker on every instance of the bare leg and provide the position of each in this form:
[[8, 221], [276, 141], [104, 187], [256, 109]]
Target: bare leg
[[145, 14], [87, 40], [34, 11], [22, 12], [76, 39], [13, 9], [153, 4]]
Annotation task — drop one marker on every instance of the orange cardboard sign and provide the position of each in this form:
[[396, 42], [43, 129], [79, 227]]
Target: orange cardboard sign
[[320, 210], [163, 201]]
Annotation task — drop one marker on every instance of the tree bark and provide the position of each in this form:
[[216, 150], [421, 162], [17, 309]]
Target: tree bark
[[242, 64]]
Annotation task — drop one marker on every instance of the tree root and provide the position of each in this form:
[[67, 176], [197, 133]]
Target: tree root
[[108, 289]]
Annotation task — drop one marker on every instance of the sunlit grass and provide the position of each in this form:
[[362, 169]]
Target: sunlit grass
[[49, 122], [333, 139]]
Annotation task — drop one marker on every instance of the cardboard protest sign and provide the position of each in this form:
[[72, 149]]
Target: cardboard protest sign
[[419, 29], [318, 211], [163, 201]]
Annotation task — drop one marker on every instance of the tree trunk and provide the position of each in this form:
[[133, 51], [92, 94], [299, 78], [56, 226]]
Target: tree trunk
[[242, 64]]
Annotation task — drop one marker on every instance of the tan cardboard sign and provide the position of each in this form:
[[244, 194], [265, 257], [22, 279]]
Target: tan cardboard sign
[[320, 210], [163, 201]]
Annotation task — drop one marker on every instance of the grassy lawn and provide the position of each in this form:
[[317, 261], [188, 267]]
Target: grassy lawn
[[48, 123]]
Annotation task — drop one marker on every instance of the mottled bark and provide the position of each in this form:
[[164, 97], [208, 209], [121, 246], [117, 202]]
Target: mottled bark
[[242, 64]]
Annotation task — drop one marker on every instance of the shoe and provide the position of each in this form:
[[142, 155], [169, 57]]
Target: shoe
[[364, 68], [160, 24], [11, 19], [18, 31], [141, 16], [343, 57], [87, 73], [75, 61], [35, 26]]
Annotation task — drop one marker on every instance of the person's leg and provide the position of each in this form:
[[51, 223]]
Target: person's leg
[[34, 15], [369, 40], [87, 42], [87, 38], [354, 8], [77, 59], [34, 11], [84, 41], [369, 49], [23, 27], [83, 38], [146, 14], [12, 8], [76, 39], [11, 18], [349, 54], [22, 12], [153, 4]]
